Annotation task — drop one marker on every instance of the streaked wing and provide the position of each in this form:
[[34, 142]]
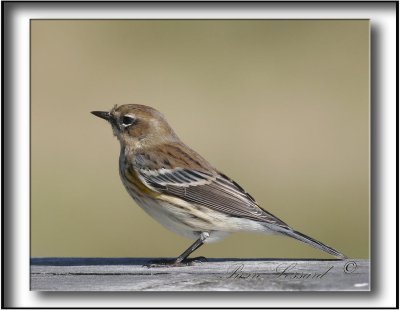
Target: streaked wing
[[207, 188]]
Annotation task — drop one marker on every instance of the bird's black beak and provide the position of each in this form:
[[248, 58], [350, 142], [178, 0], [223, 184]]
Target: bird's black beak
[[103, 115]]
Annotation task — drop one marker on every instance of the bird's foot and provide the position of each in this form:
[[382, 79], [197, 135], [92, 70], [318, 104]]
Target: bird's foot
[[194, 260], [175, 262]]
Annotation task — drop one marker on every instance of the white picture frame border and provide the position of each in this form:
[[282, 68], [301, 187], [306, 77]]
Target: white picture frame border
[[16, 126]]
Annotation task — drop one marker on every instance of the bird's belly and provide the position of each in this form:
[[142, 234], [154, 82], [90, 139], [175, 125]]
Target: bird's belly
[[164, 213], [188, 223]]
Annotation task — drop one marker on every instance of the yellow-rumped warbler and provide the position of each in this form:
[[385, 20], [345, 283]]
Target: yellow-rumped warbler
[[180, 189]]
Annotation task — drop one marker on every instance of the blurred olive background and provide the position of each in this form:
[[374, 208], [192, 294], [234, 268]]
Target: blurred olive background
[[280, 106]]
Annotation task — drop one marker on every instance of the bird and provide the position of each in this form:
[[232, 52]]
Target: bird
[[181, 190]]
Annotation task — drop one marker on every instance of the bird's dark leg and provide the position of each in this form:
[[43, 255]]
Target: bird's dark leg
[[198, 243], [183, 260]]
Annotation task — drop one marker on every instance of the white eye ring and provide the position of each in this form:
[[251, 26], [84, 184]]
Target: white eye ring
[[128, 120]]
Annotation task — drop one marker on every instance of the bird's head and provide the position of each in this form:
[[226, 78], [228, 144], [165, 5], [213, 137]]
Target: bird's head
[[137, 125]]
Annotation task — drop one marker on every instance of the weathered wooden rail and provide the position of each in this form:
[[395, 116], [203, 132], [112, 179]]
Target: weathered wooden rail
[[131, 274]]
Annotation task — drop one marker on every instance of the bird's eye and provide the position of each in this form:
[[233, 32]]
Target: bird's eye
[[128, 120]]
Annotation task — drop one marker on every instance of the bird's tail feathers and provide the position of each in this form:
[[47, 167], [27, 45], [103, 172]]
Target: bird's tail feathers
[[310, 241]]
